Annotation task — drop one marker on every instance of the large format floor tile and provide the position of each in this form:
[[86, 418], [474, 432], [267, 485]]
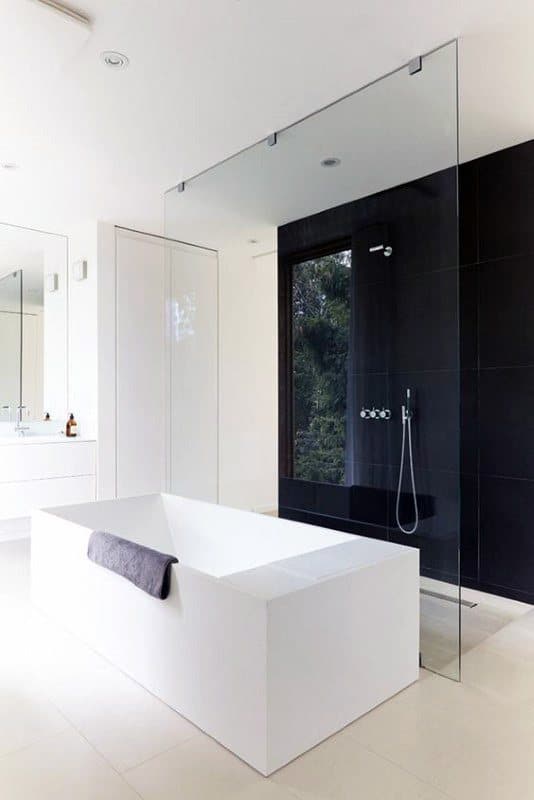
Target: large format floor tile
[[26, 715], [196, 770], [62, 767], [341, 769], [123, 721]]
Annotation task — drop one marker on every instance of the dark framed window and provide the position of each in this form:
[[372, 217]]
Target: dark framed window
[[317, 303]]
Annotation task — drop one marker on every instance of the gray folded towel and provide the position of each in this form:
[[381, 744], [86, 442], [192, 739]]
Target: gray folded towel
[[148, 569]]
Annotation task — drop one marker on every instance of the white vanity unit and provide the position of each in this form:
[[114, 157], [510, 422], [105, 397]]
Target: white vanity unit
[[39, 470]]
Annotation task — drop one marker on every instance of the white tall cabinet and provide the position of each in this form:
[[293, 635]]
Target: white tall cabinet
[[165, 310]]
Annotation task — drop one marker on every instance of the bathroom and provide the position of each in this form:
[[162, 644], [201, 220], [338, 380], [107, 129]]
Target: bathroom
[[304, 378]]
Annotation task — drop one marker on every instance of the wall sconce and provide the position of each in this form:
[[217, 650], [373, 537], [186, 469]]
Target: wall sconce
[[51, 282], [79, 270]]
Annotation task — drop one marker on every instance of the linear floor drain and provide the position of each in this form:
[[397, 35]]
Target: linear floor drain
[[438, 596]]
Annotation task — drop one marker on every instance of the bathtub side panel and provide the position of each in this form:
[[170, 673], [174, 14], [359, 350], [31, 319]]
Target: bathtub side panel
[[337, 649], [202, 650]]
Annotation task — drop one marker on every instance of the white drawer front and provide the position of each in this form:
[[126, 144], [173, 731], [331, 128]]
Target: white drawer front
[[20, 499], [28, 462]]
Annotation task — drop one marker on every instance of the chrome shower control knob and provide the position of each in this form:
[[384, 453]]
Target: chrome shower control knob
[[373, 413], [382, 413], [364, 413]]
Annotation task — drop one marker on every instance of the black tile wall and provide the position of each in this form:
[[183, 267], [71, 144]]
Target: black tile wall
[[369, 436], [468, 278], [469, 518], [507, 534], [435, 429], [423, 224], [438, 495], [497, 229], [506, 316], [469, 422], [468, 213], [371, 338], [507, 422], [405, 333], [424, 325], [506, 202]]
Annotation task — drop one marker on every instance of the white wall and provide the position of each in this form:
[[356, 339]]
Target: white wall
[[54, 394], [83, 342], [248, 370]]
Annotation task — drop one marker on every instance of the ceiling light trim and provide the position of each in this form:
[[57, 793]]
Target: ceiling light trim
[[114, 60]]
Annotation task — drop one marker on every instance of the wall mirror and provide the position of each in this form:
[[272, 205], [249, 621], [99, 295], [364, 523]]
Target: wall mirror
[[33, 329]]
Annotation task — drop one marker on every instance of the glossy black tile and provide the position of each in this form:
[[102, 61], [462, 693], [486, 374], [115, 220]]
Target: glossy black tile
[[438, 494], [367, 438], [506, 422], [468, 212], [469, 421], [506, 316], [370, 327], [296, 494], [469, 536], [424, 326], [309, 233], [506, 202], [506, 540], [469, 313], [423, 220], [334, 523], [435, 402]]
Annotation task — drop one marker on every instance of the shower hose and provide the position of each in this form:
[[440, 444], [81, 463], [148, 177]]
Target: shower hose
[[407, 425]]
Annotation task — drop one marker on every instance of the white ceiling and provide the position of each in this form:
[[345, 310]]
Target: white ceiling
[[209, 77]]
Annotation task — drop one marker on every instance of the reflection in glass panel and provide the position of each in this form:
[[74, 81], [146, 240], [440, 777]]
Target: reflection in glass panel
[[321, 319]]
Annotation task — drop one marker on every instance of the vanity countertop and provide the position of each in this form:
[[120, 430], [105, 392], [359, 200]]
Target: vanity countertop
[[37, 438]]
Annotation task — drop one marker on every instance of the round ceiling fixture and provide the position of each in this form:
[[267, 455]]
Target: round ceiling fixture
[[253, 241], [115, 60], [330, 162]]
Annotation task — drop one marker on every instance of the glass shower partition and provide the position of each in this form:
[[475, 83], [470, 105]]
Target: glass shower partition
[[11, 337], [359, 205]]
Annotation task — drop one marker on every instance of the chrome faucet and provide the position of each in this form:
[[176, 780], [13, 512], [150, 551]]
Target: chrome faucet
[[19, 427]]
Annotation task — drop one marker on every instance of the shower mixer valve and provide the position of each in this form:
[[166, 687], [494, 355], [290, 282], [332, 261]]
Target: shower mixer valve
[[375, 413]]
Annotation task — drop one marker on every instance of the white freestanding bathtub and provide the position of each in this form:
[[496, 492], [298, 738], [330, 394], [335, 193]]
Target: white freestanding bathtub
[[275, 634]]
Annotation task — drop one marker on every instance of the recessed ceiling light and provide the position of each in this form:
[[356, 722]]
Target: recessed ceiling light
[[9, 165], [115, 60], [330, 162]]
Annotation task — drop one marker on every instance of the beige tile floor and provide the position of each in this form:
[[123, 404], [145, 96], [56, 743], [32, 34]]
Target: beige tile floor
[[73, 727]]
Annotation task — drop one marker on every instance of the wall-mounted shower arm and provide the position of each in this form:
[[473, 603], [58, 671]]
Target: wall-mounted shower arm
[[382, 248]]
